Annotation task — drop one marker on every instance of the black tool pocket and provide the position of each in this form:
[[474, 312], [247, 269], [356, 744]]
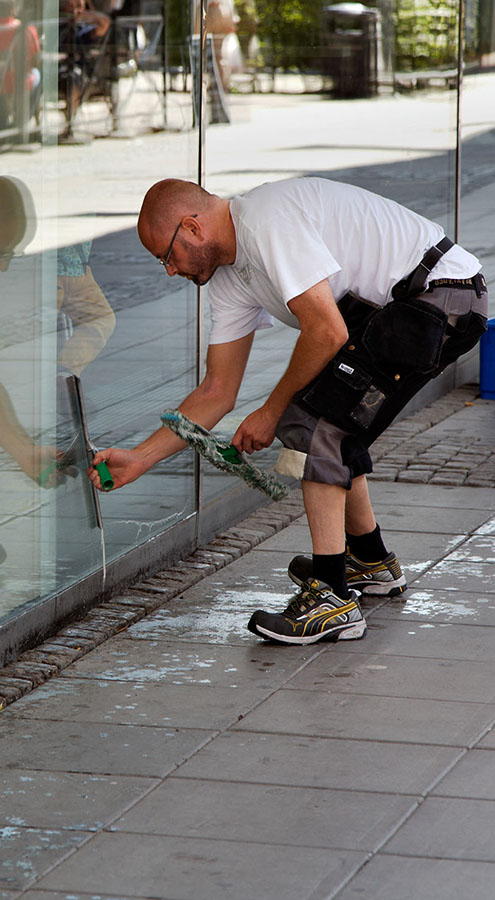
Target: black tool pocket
[[338, 391], [406, 335]]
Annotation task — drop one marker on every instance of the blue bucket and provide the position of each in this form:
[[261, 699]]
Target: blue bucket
[[487, 362]]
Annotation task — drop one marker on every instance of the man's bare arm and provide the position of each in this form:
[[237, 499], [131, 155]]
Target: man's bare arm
[[323, 333], [206, 405]]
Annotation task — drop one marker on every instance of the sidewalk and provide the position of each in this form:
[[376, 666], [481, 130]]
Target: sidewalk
[[182, 759]]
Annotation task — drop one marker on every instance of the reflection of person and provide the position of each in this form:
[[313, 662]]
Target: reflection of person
[[80, 29], [31, 457], [294, 250], [17, 228], [89, 317], [17, 219], [9, 28], [221, 23], [80, 298]]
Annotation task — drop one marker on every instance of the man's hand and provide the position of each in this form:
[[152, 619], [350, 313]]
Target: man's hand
[[256, 431], [125, 466]]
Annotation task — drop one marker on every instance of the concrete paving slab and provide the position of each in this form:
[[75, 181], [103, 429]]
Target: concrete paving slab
[[449, 607], [488, 742], [433, 830], [340, 763], [253, 813], [480, 548], [411, 516], [163, 705], [218, 608], [370, 718], [396, 495], [34, 894], [423, 639], [182, 868], [471, 777], [30, 798], [85, 747], [260, 665], [412, 571], [429, 519], [467, 575], [399, 878], [399, 676], [487, 528], [415, 546], [293, 539], [27, 853]]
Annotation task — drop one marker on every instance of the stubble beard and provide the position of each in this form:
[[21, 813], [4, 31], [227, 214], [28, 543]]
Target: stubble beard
[[204, 262]]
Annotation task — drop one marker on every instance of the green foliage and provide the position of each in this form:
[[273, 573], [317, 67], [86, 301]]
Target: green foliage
[[426, 34], [289, 31]]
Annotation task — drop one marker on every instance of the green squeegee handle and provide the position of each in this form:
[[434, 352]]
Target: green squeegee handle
[[230, 454], [106, 479]]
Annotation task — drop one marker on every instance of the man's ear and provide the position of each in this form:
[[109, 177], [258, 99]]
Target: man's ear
[[193, 226]]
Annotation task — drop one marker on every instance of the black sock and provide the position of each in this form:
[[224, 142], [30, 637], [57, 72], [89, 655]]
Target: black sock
[[367, 547], [331, 570]]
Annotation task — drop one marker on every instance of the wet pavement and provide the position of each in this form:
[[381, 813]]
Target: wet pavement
[[170, 754]]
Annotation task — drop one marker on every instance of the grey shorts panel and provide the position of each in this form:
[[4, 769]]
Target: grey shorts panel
[[456, 301], [318, 449]]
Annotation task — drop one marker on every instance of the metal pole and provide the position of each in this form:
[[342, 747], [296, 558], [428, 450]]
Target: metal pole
[[164, 46], [200, 79], [458, 148]]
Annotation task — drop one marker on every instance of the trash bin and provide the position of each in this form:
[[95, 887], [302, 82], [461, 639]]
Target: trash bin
[[487, 362], [350, 48]]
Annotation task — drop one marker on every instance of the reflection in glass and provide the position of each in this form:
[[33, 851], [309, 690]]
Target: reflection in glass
[[20, 76], [48, 539], [477, 151]]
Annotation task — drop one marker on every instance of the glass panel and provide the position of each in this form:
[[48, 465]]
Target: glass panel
[[83, 304], [360, 93], [478, 137]]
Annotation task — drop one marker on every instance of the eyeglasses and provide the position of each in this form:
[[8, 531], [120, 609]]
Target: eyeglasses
[[165, 259]]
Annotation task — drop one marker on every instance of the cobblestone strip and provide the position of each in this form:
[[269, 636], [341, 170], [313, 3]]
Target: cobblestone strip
[[142, 598], [410, 452]]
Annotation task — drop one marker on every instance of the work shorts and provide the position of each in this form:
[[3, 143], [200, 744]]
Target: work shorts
[[390, 354]]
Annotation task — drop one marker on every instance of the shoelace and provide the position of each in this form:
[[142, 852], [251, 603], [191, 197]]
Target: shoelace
[[311, 594]]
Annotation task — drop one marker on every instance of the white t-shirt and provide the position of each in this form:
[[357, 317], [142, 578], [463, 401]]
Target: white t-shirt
[[292, 234]]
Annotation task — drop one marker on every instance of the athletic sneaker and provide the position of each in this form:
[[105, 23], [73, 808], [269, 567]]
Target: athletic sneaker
[[315, 614], [383, 578]]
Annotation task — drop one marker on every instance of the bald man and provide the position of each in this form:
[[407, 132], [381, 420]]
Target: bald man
[[305, 251]]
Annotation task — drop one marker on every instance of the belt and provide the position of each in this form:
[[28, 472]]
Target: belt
[[477, 283]]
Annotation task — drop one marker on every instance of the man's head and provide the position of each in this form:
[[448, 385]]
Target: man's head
[[187, 229], [17, 219], [72, 7]]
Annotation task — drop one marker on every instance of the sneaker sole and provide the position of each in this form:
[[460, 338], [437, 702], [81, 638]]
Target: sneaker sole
[[380, 588], [351, 632]]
